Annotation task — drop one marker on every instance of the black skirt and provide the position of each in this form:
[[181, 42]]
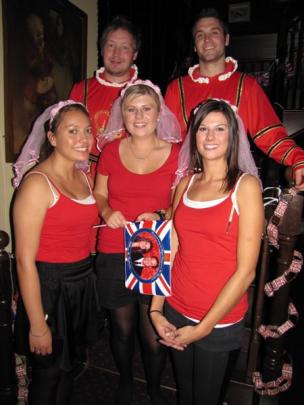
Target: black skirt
[[70, 303], [113, 294]]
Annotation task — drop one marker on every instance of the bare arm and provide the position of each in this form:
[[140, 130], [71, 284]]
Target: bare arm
[[31, 204], [165, 329], [114, 219], [251, 222]]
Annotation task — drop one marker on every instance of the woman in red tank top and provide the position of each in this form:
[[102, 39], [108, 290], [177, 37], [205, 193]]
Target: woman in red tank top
[[54, 212], [218, 221], [134, 183]]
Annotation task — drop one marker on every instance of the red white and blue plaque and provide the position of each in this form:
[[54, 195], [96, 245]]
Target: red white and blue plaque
[[148, 257]]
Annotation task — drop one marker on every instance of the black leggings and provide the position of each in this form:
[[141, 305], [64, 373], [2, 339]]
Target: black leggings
[[50, 385], [200, 375], [204, 368], [124, 321]]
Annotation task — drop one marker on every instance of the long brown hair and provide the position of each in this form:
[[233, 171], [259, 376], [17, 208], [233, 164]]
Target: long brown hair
[[198, 115]]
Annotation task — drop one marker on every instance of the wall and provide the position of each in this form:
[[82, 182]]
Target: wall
[[6, 190]]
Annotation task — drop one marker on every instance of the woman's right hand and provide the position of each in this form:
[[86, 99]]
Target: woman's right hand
[[114, 219], [41, 343], [165, 330]]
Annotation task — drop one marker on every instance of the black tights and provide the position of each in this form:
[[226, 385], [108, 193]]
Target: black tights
[[202, 375], [49, 385], [124, 322]]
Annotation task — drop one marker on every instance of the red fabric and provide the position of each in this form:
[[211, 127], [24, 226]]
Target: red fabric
[[131, 193], [254, 108], [205, 260], [99, 103], [65, 235]]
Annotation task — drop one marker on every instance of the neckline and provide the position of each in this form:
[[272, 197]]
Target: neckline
[[220, 77], [99, 73], [140, 174], [215, 201]]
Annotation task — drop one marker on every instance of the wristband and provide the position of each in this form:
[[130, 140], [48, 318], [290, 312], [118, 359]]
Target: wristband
[[161, 213]]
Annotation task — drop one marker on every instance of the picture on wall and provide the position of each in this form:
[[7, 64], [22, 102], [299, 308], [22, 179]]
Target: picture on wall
[[44, 54]]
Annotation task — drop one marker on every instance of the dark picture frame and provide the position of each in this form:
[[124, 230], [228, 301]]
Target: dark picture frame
[[239, 12], [45, 52]]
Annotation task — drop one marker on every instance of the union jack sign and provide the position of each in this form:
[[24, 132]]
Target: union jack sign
[[148, 257]]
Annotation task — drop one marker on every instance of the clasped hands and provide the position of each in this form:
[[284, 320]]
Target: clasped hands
[[177, 338]]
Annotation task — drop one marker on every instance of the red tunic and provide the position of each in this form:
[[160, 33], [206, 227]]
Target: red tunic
[[98, 99], [66, 230], [254, 108], [205, 260], [132, 193]]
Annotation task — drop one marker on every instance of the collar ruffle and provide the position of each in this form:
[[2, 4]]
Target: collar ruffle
[[99, 73], [231, 67]]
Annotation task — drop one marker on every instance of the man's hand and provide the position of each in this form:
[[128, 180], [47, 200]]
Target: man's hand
[[299, 178]]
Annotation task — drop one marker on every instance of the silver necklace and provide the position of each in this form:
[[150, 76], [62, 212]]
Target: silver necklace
[[136, 156]]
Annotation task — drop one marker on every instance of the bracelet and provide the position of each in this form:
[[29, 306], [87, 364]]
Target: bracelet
[[161, 213], [156, 310], [39, 336]]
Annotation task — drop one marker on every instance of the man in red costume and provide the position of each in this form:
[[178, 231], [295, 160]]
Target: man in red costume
[[119, 44], [217, 77]]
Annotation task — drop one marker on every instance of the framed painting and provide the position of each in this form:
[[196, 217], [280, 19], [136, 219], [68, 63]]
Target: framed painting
[[148, 257], [44, 54]]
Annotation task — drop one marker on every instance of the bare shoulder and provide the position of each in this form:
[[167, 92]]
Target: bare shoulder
[[34, 186], [248, 184], [249, 193]]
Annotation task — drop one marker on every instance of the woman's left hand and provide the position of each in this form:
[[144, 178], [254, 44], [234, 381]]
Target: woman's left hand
[[148, 216]]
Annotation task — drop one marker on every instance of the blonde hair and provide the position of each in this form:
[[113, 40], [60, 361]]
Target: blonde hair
[[140, 90]]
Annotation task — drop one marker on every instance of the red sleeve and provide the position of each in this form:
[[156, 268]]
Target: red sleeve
[[106, 158], [265, 128], [77, 92]]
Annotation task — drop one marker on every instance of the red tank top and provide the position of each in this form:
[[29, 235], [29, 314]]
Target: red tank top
[[65, 234], [206, 258]]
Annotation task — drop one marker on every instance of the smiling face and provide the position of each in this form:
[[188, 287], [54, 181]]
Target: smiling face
[[212, 137], [73, 137], [210, 40], [140, 114], [119, 53], [150, 261]]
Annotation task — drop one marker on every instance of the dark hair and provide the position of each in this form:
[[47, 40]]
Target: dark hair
[[210, 13], [140, 239], [121, 22], [212, 105], [47, 148]]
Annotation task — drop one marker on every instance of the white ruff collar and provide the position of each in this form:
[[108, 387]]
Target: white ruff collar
[[221, 78], [114, 84]]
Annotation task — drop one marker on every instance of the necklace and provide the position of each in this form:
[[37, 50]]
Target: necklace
[[140, 157], [114, 84]]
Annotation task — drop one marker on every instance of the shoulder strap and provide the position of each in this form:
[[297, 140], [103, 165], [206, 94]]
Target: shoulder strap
[[54, 190], [182, 98], [234, 191], [88, 181]]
